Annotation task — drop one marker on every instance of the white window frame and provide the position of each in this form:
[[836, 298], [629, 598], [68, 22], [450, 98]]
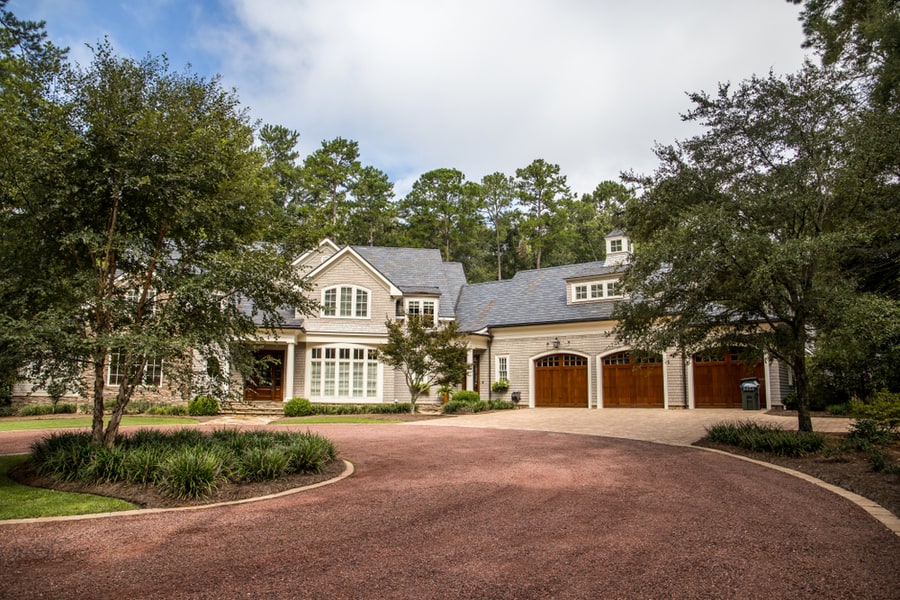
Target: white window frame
[[344, 372], [420, 304], [591, 291], [502, 372], [345, 302], [115, 379], [616, 245]]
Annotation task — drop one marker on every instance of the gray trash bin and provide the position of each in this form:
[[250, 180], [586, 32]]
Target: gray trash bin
[[750, 393]]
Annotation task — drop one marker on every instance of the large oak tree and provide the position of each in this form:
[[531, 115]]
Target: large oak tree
[[143, 234], [742, 230]]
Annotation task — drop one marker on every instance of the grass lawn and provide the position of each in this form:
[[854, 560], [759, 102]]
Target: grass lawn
[[334, 419], [23, 502], [63, 422]]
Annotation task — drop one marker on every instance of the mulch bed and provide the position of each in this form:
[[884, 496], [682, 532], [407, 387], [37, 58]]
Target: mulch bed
[[848, 470], [146, 496]]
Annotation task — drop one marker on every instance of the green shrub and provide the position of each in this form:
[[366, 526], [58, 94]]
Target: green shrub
[[259, 463], [882, 407], [766, 438], [185, 463], [466, 396], [168, 410], [190, 473], [866, 433], [142, 464], [203, 406], [185, 437], [34, 410], [310, 453], [790, 401], [841, 410], [63, 456], [298, 407], [106, 464], [501, 405], [7, 411], [137, 407]]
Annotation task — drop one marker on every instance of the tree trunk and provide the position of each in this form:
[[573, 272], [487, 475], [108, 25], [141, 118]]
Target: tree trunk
[[801, 388], [99, 383], [499, 260], [112, 428]]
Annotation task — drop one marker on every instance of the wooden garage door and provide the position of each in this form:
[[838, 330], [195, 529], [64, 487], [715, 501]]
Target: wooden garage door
[[717, 380], [561, 380], [633, 382]]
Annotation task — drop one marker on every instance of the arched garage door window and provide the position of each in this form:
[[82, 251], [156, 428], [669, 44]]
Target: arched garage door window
[[560, 380]]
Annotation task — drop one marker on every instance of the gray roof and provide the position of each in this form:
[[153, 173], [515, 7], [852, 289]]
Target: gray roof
[[288, 315], [531, 298], [418, 271]]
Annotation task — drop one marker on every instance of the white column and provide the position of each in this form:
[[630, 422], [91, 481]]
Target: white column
[[470, 359], [288, 388]]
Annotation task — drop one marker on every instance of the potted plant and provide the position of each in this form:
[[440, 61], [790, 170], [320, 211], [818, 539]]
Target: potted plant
[[500, 386], [444, 392]]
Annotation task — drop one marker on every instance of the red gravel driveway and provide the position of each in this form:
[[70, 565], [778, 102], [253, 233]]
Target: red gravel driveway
[[445, 512]]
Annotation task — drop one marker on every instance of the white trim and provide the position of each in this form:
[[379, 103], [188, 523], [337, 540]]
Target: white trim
[[393, 290], [551, 352], [617, 350], [287, 386], [365, 399], [308, 253], [354, 293], [497, 367]]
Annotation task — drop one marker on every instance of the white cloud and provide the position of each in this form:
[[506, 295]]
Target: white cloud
[[478, 85]]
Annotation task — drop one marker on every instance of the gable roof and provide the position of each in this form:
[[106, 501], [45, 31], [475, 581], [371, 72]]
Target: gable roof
[[417, 271], [533, 297]]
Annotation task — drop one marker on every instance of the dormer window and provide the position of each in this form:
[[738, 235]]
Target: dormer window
[[615, 245], [427, 309], [345, 301], [595, 290]]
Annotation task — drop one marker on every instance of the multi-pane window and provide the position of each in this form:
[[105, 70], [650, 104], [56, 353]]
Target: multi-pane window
[[615, 245], [116, 370], [596, 290], [345, 301], [503, 368], [425, 308], [343, 373]]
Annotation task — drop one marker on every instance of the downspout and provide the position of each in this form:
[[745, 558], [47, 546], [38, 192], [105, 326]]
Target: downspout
[[490, 362]]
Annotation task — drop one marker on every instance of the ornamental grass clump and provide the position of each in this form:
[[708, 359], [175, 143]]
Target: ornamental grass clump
[[762, 437], [259, 463], [191, 472], [186, 463], [311, 453]]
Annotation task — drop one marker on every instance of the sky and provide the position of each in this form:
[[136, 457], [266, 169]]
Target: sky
[[477, 85]]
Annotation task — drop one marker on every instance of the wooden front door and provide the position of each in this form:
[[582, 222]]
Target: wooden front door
[[717, 380], [633, 382], [266, 386], [561, 380]]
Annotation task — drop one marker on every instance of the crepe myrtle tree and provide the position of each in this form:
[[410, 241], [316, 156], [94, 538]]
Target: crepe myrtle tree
[[426, 354], [143, 236]]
